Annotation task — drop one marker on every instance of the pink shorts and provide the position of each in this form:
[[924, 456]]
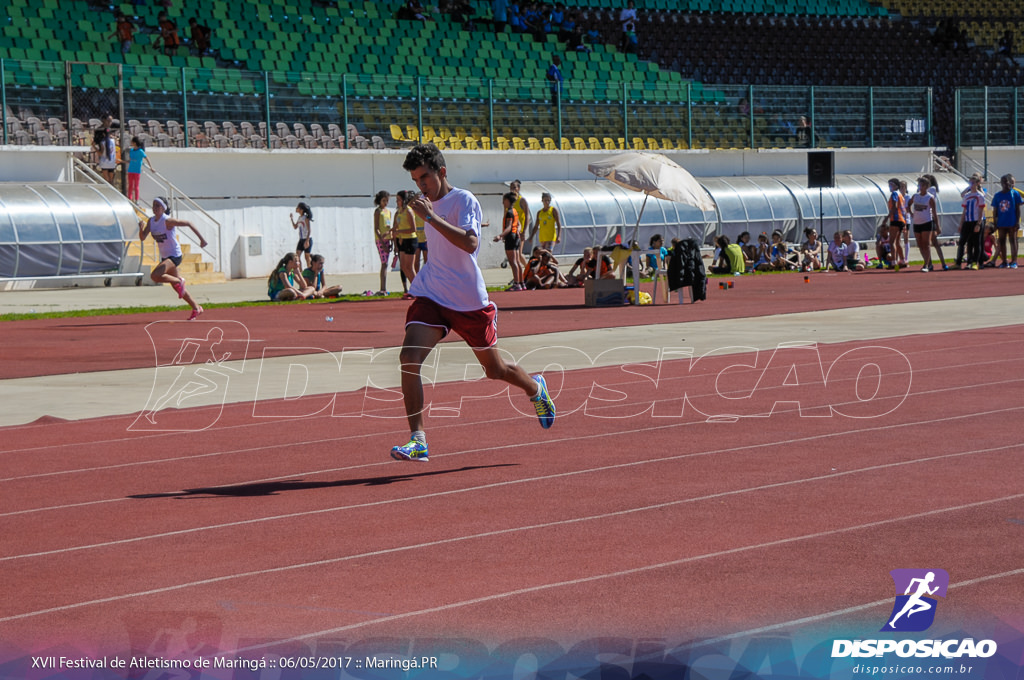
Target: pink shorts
[[384, 249], [478, 328]]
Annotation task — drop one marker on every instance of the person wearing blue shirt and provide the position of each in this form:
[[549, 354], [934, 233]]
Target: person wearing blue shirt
[[1006, 208], [136, 156]]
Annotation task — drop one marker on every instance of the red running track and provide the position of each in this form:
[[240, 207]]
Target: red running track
[[265, 531]]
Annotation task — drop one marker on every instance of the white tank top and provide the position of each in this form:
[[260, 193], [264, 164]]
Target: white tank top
[[166, 238]]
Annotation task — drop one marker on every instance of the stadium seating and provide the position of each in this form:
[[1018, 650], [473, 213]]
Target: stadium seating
[[332, 64]]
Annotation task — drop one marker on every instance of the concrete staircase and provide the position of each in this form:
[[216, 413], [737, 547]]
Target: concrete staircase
[[192, 267]]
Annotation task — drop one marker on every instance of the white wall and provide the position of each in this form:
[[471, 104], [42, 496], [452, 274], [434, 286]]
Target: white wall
[[999, 160], [253, 191]]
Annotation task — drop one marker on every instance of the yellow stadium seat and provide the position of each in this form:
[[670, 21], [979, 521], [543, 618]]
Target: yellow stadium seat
[[397, 134]]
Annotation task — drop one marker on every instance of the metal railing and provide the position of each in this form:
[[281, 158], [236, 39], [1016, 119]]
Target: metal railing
[[179, 203], [184, 207], [268, 109]]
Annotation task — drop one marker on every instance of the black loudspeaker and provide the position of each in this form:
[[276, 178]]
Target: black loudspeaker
[[821, 169]]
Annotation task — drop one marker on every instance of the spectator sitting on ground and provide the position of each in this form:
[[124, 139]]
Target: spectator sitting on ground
[[883, 247], [730, 258], [988, 248], [812, 254], [286, 282], [575, 279], [780, 253], [607, 269], [314, 277], [546, 274], [853, 259], [837, 252], [749, 250], [532, 262], [762, 260]]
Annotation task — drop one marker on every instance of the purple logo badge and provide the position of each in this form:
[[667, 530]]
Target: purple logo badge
[[916, 590]]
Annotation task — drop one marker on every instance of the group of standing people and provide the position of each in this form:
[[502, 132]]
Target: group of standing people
[[105, 157], [403, 234], [974, 243], [516, 222], [977, 245]]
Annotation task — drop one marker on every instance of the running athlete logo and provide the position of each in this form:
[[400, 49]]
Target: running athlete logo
[[914, 609], [193, 369]]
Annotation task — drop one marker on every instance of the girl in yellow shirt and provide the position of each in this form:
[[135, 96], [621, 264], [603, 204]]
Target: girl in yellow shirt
[[405, 238], [549, 223]]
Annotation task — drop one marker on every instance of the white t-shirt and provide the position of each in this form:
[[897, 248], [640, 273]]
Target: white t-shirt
[[451, 276], [166, 237], [921, 213], [838, 253], [852, 248], [303, 225]]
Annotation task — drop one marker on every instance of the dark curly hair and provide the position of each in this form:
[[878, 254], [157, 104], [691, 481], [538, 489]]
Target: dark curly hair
[[424, 154]]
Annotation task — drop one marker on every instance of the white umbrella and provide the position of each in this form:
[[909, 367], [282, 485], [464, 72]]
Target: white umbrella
[[654, 175]]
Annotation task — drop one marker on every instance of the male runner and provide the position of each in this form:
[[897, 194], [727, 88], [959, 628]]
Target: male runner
[[450, 295]]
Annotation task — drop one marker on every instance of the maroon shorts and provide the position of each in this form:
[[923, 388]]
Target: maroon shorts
[[478, 328]]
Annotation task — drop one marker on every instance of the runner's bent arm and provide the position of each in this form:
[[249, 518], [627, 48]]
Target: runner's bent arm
[[460, 238], [186, 223]]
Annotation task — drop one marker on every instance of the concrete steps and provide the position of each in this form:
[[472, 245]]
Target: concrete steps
[[192, 266]]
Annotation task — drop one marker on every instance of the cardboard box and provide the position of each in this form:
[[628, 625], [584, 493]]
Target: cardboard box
[[604, 293]]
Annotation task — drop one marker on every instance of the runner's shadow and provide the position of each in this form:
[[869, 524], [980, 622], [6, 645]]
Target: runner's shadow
[[75, 326], [541, 308], [274, 488], [333, 330]]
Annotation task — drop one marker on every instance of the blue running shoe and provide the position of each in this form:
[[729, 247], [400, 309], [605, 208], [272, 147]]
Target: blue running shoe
[[414, 450], [543, 404]]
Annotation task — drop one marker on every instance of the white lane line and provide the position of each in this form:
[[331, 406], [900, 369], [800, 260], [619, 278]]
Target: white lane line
[[638, 570], [575, 520], [252, 449]]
